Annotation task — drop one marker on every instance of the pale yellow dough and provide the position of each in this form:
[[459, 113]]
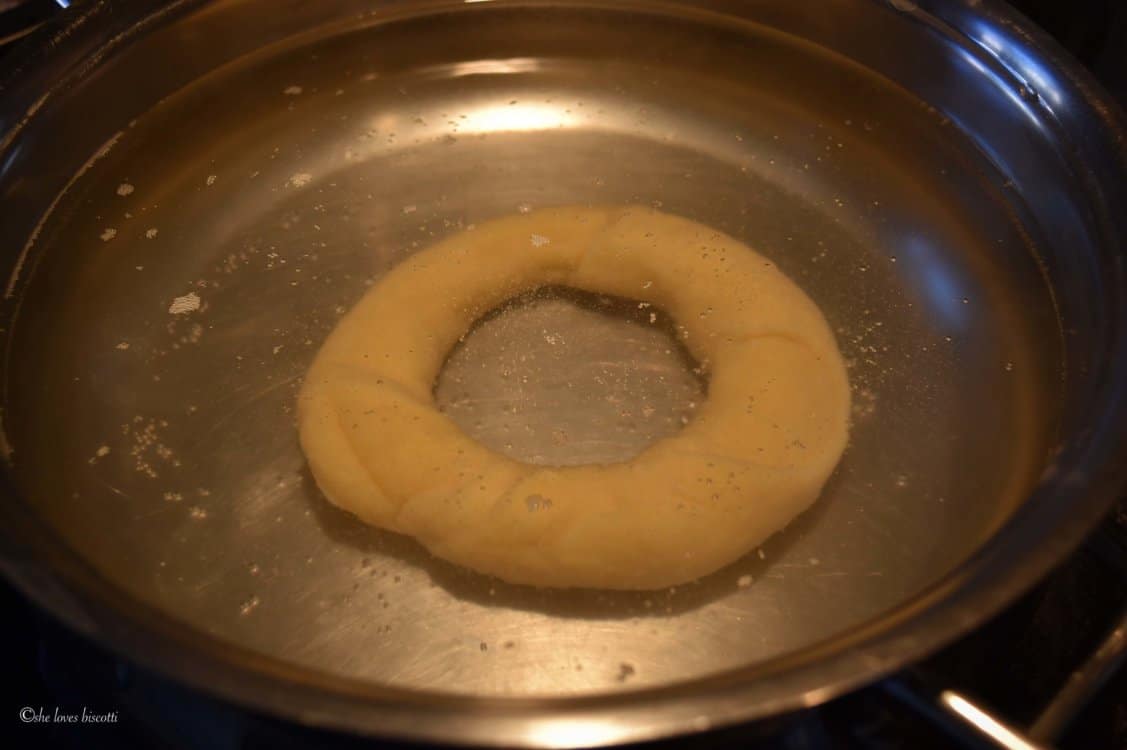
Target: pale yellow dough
[[757, 453]]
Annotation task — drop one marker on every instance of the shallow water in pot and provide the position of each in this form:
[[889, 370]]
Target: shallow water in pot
[[184, 283]]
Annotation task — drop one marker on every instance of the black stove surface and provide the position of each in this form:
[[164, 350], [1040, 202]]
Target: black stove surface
[[1014, 666]]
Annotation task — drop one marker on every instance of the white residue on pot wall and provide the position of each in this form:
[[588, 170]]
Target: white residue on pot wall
[[190, 302]]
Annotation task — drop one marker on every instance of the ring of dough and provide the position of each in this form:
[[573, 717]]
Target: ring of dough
[[757, 453]]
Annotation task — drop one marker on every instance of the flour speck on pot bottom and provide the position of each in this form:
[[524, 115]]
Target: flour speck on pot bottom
[[758, 452]]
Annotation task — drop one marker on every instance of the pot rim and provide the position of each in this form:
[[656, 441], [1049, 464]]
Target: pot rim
[[1065, 506]]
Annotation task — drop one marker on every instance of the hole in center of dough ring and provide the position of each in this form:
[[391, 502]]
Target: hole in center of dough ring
[[562, 377]]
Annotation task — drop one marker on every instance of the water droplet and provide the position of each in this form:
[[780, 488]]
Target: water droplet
[[249, 605]]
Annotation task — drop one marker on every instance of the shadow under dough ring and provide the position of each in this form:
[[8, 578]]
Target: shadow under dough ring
[[757, 453]]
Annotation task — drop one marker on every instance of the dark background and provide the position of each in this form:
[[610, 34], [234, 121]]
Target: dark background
[[44, 666], [1095, 31]]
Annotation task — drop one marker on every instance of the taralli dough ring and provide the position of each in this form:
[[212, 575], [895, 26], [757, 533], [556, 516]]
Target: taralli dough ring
[[756, 454]]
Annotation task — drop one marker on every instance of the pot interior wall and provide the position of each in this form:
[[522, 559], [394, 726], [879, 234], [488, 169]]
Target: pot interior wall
[[277, 188]]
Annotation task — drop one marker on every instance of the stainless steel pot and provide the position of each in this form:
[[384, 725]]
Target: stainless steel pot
[[192, 195]]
